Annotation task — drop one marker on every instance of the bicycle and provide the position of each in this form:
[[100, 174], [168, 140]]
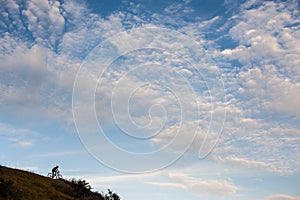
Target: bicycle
[[55, 175]]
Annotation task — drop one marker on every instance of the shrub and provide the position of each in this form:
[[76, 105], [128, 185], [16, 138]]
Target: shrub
[[111, 196], [80, 187]]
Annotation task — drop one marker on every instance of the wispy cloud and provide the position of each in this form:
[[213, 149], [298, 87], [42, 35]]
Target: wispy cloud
[[20, 137], [263, 91], [282, 197], [256, 165], [56, 154], [219, 188]]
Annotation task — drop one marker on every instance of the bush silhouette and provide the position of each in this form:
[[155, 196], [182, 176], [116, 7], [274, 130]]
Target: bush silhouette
[[80, 187], [111, 196]]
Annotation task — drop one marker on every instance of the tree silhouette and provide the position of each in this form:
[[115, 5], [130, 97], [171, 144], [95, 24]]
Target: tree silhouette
[[80, 187], [111, 195]]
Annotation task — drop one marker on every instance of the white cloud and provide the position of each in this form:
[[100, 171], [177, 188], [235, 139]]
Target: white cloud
[[11, 20], [45, 20], [259, 145], [255, 96], [282, 197], [276, 93], [19, 137], [218, 188], [37, 74], [120, 178], [41, 22], [254, 164], [264, 91], [266, 36], [56, 154], [26, 144], [30, 87], [31, 60]]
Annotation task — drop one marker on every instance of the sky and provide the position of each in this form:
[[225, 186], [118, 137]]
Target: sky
[[192, 99]]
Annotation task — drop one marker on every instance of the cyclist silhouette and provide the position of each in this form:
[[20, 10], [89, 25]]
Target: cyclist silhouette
[[55, 169], [55, 174]]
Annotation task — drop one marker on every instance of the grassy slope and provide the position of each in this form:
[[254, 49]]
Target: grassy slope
[[19, 184]]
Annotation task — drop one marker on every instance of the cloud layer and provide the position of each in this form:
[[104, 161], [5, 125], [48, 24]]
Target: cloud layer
[[253, 49]]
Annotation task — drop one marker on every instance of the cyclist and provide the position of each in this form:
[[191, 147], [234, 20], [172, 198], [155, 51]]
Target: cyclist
[[54, 170]]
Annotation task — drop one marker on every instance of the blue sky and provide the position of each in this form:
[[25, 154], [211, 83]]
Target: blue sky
[[154, 99]]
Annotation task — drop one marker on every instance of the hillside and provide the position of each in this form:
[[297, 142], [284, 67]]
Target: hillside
[[18, 184]]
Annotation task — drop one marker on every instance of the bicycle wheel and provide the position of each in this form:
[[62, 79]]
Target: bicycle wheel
[[50, 175], [59, 176]]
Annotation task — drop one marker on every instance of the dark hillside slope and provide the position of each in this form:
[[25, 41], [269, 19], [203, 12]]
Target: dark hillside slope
[[18, 184]]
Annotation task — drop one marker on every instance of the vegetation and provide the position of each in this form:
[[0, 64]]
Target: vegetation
[[80, 188], [111, 196], [6, 188], [17, 184]]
